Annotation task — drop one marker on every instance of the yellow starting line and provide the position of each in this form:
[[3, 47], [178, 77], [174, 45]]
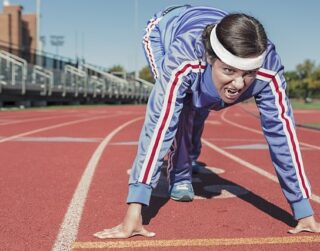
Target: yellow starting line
[[197, 242]]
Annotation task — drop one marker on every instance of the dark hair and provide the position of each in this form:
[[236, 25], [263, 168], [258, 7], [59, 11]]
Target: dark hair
[[242, 35]]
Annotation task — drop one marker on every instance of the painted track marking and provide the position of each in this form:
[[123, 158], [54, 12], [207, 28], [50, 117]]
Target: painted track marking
[[56, 139], [10, 122], [254, 168], [241, 161], [259, 132], [32, 120], [69, 227], [13, 137], [246, 164], [197, 242]]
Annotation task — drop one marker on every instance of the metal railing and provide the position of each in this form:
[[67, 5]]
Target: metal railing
[[85, 82], [114, 86], [75, 81], [13, 70], [44, 78]]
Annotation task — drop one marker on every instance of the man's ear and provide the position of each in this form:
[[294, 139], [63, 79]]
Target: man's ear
[[209, 59]]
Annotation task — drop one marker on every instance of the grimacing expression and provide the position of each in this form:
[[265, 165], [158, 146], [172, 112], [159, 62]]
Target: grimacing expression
[[231, 82]]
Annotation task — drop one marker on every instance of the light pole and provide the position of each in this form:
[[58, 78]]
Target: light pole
[[38, 14], [135, 32], [39, 42]]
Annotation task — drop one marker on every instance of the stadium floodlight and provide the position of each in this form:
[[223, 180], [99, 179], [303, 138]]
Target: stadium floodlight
[[57, 41]]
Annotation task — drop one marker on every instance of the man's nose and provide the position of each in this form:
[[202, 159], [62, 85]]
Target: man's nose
[[238, 82]]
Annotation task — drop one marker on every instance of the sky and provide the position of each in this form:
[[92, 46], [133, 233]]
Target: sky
[[109, 32]]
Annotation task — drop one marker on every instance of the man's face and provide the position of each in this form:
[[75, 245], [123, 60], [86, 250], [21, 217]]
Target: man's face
[[231, 82]]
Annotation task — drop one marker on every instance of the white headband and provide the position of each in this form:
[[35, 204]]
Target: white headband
[[232, 60]]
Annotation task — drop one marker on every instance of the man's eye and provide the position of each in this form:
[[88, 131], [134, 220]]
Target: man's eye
[[228, 70], [251, 73]]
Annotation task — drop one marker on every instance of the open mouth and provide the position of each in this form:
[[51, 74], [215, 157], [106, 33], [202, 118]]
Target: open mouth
[[231, 93]]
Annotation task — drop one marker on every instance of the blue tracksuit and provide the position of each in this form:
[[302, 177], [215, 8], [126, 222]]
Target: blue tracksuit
[[184, 93]]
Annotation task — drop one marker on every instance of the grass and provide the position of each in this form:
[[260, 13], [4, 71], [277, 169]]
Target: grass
[[300, 104], [315, 126]]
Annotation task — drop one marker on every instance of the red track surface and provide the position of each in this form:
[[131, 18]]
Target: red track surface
[[45, 153]]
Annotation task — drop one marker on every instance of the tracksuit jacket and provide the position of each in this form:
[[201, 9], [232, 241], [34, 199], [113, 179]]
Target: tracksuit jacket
[[176, 55]]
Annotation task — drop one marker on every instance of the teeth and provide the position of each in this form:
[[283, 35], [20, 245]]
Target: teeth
[[231, 93]]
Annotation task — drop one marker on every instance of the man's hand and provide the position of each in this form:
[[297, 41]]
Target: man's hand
[[307, 224], [131, 226]]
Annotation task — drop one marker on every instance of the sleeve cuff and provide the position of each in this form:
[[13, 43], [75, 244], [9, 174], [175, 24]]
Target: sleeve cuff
[[139, 193], [301, 209]]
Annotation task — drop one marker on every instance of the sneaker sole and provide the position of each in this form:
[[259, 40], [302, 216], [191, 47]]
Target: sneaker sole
[[183, 198]]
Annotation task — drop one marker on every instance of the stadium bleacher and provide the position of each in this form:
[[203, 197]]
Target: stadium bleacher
[[54, 81]]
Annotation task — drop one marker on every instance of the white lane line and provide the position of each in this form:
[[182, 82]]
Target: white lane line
[[237, 140], [57, 139], [311, 146], [241, 161], [69, 227], [32, 120], [260, 132], [126, 143], [66, 114], [14, 137], [252, 167]]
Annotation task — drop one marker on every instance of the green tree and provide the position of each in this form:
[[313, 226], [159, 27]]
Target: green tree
[[145, 73], [315, 79], [307, 74], [293, 80], [117, 68]]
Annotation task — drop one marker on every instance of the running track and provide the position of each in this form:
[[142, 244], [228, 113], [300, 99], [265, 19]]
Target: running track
[[64, 175]]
